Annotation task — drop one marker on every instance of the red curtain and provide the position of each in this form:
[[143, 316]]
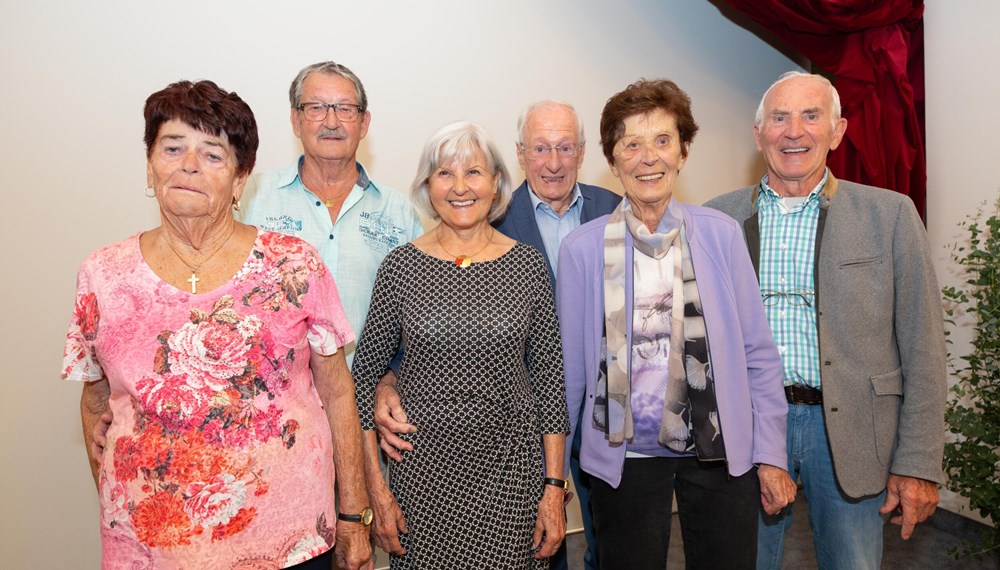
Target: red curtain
[[874, 51]]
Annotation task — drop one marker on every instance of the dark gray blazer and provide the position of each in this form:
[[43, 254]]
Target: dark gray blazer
[[519, 221], [881, 332]]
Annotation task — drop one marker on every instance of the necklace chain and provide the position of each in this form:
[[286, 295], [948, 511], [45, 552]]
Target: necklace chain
[[462, 261], [194, 279]]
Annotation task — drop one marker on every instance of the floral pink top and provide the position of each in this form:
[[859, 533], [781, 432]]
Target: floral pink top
[[219, 455]]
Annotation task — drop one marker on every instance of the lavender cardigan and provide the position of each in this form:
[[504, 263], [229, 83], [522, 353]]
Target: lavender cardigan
[[745, 361]]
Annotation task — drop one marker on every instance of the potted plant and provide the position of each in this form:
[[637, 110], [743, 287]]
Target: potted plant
[[972, 458]]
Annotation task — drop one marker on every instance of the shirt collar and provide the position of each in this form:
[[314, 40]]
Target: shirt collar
[[769, 196], [291, 175], [537, 202]]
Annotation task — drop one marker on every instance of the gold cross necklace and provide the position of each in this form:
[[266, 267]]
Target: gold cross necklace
[[194, 279]]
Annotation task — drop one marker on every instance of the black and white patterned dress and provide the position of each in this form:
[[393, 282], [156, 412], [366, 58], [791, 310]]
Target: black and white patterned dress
[[482, 379]]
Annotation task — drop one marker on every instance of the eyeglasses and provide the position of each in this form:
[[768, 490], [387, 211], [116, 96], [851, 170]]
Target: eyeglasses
[[314, 111], [542, 151], [795, 297]]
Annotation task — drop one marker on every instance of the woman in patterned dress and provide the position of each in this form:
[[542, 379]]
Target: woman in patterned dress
[[481, 376], [217, 348]]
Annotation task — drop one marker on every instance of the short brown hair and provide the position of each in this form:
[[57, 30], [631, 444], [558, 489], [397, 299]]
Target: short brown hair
[[209, 109], [645, 96]]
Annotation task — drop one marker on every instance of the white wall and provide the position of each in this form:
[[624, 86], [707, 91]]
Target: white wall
[[75, 76], [963, 118]]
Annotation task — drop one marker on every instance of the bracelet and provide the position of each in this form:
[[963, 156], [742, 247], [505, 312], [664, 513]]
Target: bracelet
[[561, 483]]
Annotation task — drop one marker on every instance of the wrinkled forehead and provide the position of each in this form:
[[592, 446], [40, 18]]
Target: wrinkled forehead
[[551, 120], [178, 129], [797, 94]]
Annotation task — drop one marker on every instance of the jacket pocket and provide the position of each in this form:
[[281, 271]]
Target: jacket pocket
[[861, 262], [887, 395]]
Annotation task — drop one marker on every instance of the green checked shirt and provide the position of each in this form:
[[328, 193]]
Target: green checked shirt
[[787, 259]]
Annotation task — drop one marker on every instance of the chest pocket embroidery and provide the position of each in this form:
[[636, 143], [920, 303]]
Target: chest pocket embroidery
[[380, 232]]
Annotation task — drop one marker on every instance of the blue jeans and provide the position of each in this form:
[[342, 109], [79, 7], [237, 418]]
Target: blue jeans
[[581, 480], [847, 532]]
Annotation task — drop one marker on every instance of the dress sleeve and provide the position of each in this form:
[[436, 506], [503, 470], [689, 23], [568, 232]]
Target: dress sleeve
[[544, 355], [328, 328], [80, 361], [379, 339]]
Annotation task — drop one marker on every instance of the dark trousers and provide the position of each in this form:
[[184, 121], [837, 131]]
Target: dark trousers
[[718, 515]]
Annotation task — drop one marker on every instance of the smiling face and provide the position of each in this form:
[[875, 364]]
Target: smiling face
[[193, 173], [647, 160], [796, 133], [331, 138], [462, 192], [552, 176]]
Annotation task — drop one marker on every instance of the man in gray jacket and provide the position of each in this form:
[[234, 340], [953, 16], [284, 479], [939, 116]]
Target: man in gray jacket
[[853, 302]]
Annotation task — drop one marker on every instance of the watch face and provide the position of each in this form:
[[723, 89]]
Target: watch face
[[366, 516]]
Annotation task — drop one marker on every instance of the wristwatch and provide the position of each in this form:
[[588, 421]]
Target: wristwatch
[[364, 518], [561, 483]]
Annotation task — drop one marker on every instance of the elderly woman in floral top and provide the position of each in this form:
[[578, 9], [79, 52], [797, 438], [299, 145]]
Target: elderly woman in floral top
[[217, 348]]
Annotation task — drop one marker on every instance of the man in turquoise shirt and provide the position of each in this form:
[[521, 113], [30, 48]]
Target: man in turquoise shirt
[[327, 197]]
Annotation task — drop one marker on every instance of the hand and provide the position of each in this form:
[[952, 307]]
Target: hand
[[550, 526], [353, 551], [916, 498], [777, 490], [100, 433], [390, 419], [389, 521]]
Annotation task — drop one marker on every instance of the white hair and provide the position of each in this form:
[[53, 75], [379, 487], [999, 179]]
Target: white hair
[[580, 138], [789, 75], [459, 142]]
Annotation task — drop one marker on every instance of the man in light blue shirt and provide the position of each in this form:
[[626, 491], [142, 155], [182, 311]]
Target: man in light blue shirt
[[327, 197]]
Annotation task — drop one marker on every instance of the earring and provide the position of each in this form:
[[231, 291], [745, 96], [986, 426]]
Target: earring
[[149, 192], [236, 205]]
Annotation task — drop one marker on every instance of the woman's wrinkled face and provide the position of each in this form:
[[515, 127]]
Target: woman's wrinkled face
[[193, 173], [648, 158], [462, 191]]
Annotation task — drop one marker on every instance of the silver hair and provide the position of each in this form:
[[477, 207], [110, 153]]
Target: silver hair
[[460, 141], [581, 139], [327, 68], [788, 75]]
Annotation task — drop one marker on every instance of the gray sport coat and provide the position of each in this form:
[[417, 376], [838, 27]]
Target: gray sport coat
[[881, 332]]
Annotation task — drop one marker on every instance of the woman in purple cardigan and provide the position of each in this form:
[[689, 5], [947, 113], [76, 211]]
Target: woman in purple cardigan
[[667, 349]]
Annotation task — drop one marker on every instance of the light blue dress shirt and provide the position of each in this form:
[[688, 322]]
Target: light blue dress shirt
[[554, 227], [373, 220]]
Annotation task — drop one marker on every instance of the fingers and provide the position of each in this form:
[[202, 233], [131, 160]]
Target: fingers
[[891, 502], [393, 420], [387, 536], [353, 552], [777, 490], [100, 433], [390, 451], [388, 411], [550, 526], [913, 500], [392, 444], [389, 521]]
